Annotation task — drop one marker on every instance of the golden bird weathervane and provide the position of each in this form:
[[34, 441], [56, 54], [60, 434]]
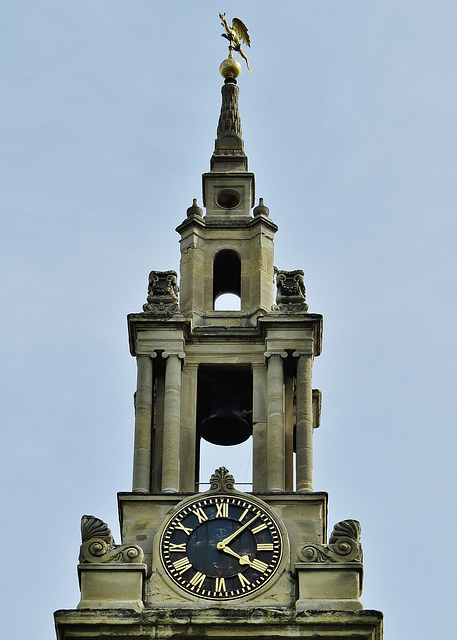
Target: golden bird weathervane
[[237, 33]]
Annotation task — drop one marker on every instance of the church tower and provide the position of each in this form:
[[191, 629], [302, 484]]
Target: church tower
[[221, 562]]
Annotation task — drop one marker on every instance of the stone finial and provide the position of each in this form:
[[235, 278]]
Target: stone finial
[[229, 148], [194, 210], [344, 545], [162, 293], [291, 292], [261, 209]]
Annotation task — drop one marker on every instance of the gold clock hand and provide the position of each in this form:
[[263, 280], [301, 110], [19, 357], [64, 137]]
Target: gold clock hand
[[221, 545], [242, 559]]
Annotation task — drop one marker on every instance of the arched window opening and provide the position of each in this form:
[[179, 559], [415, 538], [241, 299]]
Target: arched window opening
[[226, 274], [227, 302]]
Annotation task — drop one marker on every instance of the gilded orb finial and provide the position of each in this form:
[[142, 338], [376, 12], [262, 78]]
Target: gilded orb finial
[[237, 33]]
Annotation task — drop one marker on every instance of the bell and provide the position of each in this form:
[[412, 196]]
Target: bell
[[226, 425]]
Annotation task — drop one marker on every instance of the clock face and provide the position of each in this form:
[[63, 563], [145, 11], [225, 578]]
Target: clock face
[[221, 547]]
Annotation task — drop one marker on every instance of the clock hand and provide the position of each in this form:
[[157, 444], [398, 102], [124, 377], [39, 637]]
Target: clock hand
[[225, 541], [242, 559]]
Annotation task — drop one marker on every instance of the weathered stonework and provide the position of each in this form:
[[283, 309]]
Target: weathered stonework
[[162, 293], [330, 576], [110, 576], [291, 292], [182, 547], [219, 623]]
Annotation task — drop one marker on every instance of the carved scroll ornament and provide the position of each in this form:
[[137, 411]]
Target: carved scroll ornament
[[290, 291], [344, 545], [98, 544], [162, 293]]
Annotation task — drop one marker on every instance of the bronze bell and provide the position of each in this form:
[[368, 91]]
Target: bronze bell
[[227, 424]]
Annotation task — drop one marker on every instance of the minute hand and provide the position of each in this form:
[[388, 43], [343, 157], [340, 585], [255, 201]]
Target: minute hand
[[225, 541]]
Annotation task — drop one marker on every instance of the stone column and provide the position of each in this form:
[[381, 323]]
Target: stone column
[[259, 426], [275, 422], [289, 432], [188, 427], [304, 428], [171, 422], [143, 424]]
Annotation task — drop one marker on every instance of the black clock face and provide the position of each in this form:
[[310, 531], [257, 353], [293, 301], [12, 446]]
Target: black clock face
[[221, 547]]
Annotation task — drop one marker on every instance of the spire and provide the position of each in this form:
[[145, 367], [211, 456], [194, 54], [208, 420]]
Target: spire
[[229, 120], [229, 147]]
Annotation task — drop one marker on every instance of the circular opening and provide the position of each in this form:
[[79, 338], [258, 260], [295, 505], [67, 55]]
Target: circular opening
[[228, 199]]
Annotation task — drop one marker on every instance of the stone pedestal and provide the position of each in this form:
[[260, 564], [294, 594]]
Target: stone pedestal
[[329, 587], [111, 586]]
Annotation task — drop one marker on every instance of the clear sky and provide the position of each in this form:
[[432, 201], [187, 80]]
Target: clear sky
[[108, 118]]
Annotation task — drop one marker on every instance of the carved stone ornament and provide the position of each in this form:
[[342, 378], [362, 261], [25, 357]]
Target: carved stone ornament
[[92, 527], [344, 545], [162, 293], [222, 481], [98, 544], [290, 292]]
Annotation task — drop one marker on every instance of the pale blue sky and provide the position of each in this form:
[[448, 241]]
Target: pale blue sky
[[108, 118]]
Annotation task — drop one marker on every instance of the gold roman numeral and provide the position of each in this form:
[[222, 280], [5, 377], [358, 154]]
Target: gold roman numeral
[[263, 547], [222, 510], [258, 565], [244, 581], [181, 547], [198, 579], [261, 527], [243, 514], [220, 585], [201, 515], [181, 527], [182, 565]]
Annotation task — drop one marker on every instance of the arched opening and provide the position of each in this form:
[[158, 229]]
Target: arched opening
[[224, 423], [226, 274], [227, 302]]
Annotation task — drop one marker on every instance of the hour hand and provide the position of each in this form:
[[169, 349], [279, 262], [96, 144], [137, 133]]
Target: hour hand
[[242, 559]]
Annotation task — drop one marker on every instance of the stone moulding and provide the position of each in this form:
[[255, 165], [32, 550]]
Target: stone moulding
[[216, 623], [110, 575], [97, 550]]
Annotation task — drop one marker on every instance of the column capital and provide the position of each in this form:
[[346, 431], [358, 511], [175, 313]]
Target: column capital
[[180, 354], [270, 354], [151, 354], [297, 354]]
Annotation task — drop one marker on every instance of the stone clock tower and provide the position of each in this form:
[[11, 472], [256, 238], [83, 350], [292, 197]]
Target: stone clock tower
[[223, 563]]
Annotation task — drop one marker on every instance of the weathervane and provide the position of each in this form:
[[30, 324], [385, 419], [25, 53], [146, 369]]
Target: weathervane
[[237, 33]]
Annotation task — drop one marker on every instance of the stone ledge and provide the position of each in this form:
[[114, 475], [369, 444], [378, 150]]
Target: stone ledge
[[221, 622]]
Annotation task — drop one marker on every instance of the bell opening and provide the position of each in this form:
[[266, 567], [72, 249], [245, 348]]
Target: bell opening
[[224, 405]]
